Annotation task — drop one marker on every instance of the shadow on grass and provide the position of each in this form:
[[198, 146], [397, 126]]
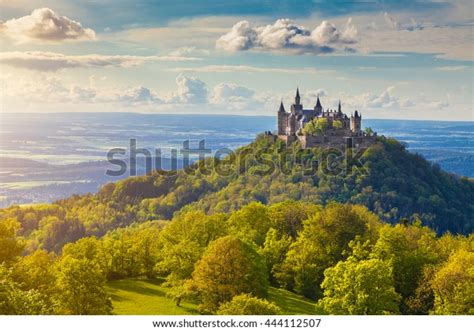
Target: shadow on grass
[[138, 286], [291, 303]]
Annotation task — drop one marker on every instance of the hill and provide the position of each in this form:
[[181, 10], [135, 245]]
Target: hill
[[393, 183]]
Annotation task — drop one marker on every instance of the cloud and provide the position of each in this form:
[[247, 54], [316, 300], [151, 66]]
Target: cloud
[[386, 100], [316, 93], [285, 36], [190, 90], [395, 25], [44, 24], [189, 51], [245, 68], [47, 61], [444, 38], [138, 95], [224, 93], [452, 68]]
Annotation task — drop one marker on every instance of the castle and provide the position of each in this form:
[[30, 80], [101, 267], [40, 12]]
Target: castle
[[319, 127]]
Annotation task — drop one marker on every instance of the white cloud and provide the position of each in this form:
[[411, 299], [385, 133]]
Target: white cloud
[[138, 95], [285, 36], [452, 68], [82, 94], [223, 93], [47, 61], [189, 51], [191, 90], [44, 24], [245, 68]]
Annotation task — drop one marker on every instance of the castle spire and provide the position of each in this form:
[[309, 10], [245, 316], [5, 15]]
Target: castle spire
[[318, 103], [282, 108], [318, 108], [339, 107], [297, 98]]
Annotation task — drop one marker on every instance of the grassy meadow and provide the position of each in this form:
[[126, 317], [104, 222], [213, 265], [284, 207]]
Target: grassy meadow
[[148, 297]]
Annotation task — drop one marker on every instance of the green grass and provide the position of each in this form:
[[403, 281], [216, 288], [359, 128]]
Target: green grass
[[291, 303], [148, 297], [145, 297]]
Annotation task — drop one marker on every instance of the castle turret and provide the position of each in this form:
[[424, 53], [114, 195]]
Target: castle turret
[[282, 119], [297, 97], [318, 108], [297, 106], [339, 109], [356, 120]]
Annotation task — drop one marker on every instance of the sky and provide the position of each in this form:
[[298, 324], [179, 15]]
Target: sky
[[386, 58]]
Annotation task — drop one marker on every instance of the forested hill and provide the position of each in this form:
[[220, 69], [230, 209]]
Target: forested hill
[[395, 184]]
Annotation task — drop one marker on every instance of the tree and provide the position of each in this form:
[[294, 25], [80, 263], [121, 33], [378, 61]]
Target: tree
[[368, 131], [182, 244], [251, 223], [81, 288], [35, 272], [229, 267], [337, 124], [316, 126], [324, 238], [16, 301], [422, 302], [56, 232], [363, 287], [453, 285], [408, 249], [10, 245], [287, 217], [274, 251], [245, 304]]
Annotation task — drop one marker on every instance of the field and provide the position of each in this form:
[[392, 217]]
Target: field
[[148, 297]]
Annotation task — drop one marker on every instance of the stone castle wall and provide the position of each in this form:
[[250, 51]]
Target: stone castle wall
[[330, 141]]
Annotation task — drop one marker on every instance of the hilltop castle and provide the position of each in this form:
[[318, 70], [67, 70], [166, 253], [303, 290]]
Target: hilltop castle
[[313, 127]]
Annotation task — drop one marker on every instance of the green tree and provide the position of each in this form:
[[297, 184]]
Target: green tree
[[245, 304], [10, 245], [182, 243], [251, 223], [363, 287], [274, 251], [368, 131], [337, 124], [453, 285], [16, 301], [316, 126], [229, 267], [324, 238], [81, 288], [36, 272], [287, 217], [56, 232], [408, 249]]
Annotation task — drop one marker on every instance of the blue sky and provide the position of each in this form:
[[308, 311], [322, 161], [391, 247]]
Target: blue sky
[[388, 59]]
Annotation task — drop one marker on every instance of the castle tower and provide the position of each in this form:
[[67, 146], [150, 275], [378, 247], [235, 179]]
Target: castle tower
[[356, 121], [282, 119], [339, 109], [291, 124], [297, 106], [318, 108]]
